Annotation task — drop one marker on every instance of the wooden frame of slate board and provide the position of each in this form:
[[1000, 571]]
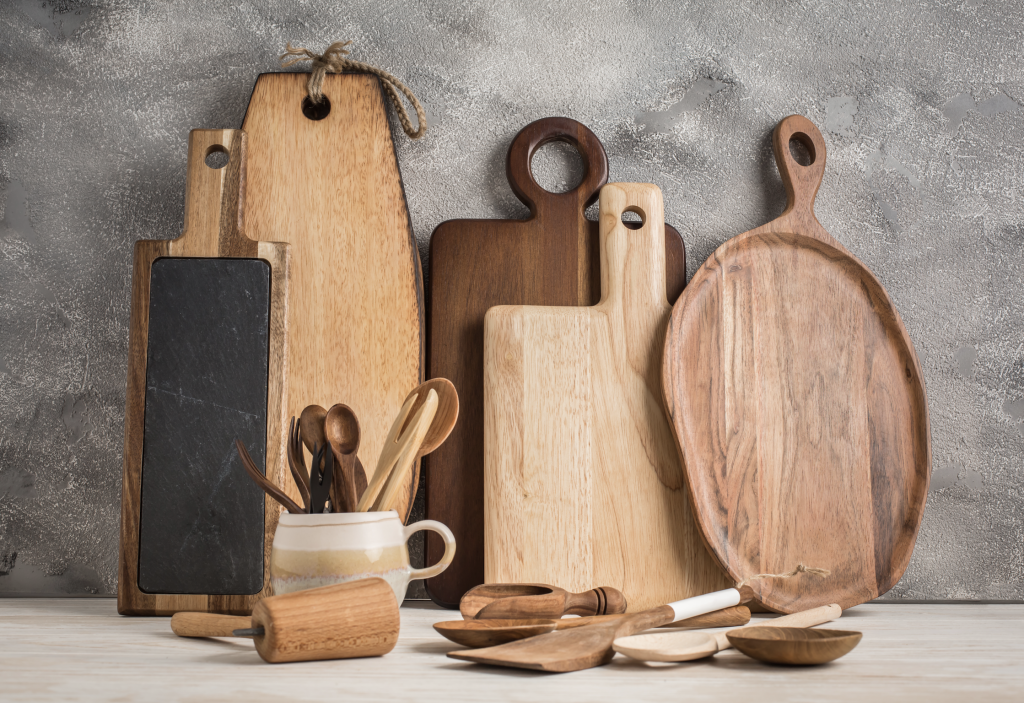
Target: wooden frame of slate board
[[206, 363]]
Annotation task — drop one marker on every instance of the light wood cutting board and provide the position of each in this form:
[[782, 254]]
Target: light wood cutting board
[[582, 480], [332, 189]]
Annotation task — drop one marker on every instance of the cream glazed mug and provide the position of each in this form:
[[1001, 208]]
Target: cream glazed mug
[[327, 548]]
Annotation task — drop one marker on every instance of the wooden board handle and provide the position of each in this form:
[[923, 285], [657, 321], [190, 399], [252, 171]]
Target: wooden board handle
[[801, 182], [207, 624], [535, 135], [633, 259], [215, 197]]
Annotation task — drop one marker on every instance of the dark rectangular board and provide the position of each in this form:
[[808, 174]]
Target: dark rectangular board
[[202, 520]]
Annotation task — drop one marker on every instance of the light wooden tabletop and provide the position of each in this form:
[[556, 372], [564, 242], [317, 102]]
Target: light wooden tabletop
[[81, 650]]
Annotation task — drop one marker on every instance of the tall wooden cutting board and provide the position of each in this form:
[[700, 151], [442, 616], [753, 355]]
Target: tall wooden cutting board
[[550, 258], [799, 405], [582, 481], [332, 189], [206, 364]]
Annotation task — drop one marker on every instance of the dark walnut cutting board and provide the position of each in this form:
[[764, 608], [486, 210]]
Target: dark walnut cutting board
[[799, 405], [550, 258], [331, 188], [205, 366]]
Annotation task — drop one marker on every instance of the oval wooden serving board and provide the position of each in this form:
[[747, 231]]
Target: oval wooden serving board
[[550, 258], [799, 405]]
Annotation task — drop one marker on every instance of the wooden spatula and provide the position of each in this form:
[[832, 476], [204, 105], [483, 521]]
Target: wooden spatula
[[591, 645]]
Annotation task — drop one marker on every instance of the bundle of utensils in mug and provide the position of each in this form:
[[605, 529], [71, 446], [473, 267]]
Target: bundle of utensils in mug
[[687, 445]]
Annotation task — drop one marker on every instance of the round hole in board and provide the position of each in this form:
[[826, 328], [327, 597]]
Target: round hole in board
[[801, 148], [557, 167], [316, 111], [633, 217], [216, 156]]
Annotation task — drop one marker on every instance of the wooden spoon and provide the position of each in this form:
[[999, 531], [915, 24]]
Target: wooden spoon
[[341, 428], [311, 423], [444, 422], [537, 600], [788, 645], [488, 633], [688, 646]]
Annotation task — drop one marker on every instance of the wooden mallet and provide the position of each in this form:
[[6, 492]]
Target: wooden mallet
[[353, 619]]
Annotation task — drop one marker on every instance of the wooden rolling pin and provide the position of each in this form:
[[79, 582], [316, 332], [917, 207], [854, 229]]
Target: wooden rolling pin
[[354, 619]]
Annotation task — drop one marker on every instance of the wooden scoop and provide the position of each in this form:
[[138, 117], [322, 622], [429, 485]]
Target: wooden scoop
[[591, 645], [687, 646], [345, 620], [537, 600], [488, 633], [788, 645]]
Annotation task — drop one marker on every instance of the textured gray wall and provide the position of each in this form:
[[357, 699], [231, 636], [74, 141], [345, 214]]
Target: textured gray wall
[[921, 105]]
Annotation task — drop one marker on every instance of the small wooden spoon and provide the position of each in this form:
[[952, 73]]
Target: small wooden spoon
[[488, 633], [444, 422], [311, 424], [341, 428], [793, 646], [688, 646]]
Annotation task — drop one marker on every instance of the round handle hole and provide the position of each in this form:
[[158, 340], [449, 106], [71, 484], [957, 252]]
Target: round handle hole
[[557, 167], [801, 148], [633, 217], [216, 156], [316, 111]]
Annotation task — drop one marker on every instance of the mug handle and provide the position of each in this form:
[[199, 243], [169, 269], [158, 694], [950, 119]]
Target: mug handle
[[449, 547]]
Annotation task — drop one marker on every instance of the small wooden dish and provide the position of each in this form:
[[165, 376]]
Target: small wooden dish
[[489, 633], [793, 645]]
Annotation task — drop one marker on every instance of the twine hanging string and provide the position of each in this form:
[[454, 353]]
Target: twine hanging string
[[800, 569], [333, 61]]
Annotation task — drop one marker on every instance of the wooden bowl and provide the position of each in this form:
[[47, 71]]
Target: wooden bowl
[[793, 645], [489, 633]]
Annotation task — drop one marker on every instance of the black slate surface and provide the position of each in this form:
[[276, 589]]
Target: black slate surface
[[206, 384]]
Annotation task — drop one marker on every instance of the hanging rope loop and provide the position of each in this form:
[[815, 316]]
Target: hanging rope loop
[[335, 60]]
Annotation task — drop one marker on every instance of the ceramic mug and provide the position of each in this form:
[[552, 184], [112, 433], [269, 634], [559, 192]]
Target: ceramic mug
[[326, 548]]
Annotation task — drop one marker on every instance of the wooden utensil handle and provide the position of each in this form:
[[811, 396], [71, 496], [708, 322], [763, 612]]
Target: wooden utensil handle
[[801, 182], [535, 135], [806, 618], [207, 624], [598, 601]]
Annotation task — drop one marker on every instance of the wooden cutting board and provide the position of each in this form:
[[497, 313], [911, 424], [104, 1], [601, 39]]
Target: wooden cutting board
[[205, 366], [799, 405], [582, 482], [550, 258], [331, 188]]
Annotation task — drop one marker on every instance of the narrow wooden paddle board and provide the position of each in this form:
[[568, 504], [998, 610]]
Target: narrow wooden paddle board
[[582, 481], [331, 188], [550, 258], [799, 405], [205, 366]]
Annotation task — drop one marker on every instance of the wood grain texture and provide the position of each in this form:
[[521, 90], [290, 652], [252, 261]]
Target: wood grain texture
[[793, 646], [214, 204], [550, 258], [332, 189], [583, 485], [799, 405], [537, 600]]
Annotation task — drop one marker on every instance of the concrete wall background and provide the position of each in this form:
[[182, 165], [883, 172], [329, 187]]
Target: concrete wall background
[[920, 103]]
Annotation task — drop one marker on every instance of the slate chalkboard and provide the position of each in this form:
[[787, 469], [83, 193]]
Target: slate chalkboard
[[202, 519]]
